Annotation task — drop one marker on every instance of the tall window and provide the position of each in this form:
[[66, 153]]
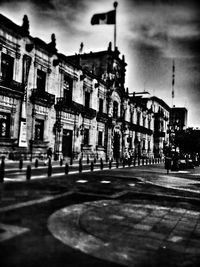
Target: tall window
[[39, 129], [143, 144], [156, 125], [4, 125], [7, 64], [87, 99], [86, 137], [131, 118], [41, 80], [149, 146], [138, 118], [115, 109], [144, 121], [100, 105], [67, 89], [162, 126], [100, 138], [149, 123], [130, 142]]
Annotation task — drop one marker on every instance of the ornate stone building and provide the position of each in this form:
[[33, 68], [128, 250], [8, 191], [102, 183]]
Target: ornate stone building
[[77, 106]]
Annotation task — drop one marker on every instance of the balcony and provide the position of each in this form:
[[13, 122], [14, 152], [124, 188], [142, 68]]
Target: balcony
[[159, 114], [140, 129], [74, 108], [11, 88], [88, 113], [42, 98], [159, 134], [10, 142], [102, 117], [63, 105]]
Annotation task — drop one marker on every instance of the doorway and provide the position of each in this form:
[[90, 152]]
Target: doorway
[[67, 143], [116, 146]]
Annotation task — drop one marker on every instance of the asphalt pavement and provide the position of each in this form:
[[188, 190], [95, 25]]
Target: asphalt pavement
[[133, 216]]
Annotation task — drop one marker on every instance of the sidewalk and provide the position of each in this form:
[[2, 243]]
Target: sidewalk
[[110, 215], [14, 165], [131, 233]]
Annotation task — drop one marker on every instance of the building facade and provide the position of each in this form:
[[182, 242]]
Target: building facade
[[178, 117], [75, 106]]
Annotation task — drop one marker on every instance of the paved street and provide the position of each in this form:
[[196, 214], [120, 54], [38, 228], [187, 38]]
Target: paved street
[[133, 216]]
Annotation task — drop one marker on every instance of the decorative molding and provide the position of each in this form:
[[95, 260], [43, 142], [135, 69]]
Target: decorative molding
[[41, 61]]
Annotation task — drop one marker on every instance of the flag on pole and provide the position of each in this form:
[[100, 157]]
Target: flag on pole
[[104, 18]]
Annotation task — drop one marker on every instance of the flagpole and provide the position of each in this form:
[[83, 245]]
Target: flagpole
[[115, 26], [173, 81]]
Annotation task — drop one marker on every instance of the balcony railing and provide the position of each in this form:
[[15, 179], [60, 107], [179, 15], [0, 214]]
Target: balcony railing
[[74, 108], [159, 114], [11, 88], [102, 117], [63, 105], [89, 113], [42, 98], [159, 134], [140, 129]]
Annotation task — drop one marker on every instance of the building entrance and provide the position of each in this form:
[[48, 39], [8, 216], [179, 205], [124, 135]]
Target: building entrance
[[116, 146], [67, 143]]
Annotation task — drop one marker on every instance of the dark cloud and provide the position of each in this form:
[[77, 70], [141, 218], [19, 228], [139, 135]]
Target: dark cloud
[[166, 2], [187, 47], [42, 4]]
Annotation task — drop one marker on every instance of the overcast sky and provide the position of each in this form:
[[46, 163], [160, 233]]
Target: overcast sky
[[149, 33]]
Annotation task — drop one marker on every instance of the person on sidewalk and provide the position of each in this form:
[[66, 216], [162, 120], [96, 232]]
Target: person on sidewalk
[[49, 155]]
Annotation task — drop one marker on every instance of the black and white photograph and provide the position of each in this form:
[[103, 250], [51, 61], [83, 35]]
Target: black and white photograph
[[99, 133]]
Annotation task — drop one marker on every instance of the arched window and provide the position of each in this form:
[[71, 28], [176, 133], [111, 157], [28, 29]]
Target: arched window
[[138, 118]]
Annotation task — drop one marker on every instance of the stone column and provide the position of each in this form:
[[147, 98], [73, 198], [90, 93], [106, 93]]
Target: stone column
[[0, 57], [12, 121]]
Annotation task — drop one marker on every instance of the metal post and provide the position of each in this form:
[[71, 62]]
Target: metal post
[[115, 26], [28, 173], [66, 168]]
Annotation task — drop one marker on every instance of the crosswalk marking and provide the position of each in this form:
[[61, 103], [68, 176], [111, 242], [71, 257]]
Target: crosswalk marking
[[10, 231], [82, 181]]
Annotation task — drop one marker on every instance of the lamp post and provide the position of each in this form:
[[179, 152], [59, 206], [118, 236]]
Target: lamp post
[[58, 127], [32, 134]]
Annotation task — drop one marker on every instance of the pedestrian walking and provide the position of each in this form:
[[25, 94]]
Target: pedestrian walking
[[49, 156]]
